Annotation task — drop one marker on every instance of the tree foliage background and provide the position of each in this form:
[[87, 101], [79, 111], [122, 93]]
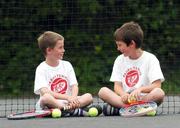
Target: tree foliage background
[[88, 27]]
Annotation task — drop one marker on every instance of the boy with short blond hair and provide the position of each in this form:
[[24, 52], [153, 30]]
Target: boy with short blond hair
[[55, 79]]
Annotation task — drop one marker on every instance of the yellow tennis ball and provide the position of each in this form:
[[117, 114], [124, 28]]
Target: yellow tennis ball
[[56, 113], [152, 113], [93, 112]]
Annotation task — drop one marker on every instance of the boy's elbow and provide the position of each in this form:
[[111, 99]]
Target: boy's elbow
[[157, 83], [75, 87], [43, 91]]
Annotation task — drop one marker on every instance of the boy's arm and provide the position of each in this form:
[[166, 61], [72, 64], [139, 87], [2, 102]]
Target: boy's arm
[[54, 94], [75, 90], [146, 89], [73, 100], [118, 88], [119, 91]]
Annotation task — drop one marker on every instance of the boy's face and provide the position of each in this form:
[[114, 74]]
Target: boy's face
[[123, 48], [58, 51]]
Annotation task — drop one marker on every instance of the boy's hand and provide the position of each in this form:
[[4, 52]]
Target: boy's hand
[[132, 100], [74, 102], [136, 94], [124, 98]]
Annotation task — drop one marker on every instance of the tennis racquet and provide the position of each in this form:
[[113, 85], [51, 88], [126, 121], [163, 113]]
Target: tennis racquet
[[140, 108], [34, 114], [29, 114]]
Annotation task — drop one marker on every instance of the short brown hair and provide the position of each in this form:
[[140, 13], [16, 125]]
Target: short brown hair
[[128, 32], [48, 39]]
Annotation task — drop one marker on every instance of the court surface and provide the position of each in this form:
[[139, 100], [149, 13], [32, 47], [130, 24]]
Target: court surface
[[167, 117], [160, 121]]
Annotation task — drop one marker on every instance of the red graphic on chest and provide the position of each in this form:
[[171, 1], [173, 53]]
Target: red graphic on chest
[[131, 78], [59, 85]]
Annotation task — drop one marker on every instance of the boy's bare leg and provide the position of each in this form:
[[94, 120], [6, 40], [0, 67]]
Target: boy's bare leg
[[85, 99], [110, 97], [50, 101], [156, 95]]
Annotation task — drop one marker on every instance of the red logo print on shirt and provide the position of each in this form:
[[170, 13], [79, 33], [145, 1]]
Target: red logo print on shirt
[[59, 85], [131, 78]]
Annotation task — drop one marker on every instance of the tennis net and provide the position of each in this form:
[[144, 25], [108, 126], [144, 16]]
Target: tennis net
[[88, 28]]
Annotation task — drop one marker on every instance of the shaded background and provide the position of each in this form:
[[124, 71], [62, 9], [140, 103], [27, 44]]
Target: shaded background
[[88, 27]]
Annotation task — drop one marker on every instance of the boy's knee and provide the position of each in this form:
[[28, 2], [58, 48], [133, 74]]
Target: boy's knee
[[159, 92], [159, 95], [102, 91], [45, 97], [89, 96]]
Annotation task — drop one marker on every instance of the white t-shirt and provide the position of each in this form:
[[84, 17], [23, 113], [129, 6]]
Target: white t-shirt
[[58, 79], [136, 73]]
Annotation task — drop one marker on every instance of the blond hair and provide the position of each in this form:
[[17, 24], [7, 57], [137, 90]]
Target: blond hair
[[48, 40]]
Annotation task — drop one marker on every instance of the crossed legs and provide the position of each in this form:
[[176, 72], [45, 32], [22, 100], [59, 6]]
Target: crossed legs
[[110, 97], [51, 102]]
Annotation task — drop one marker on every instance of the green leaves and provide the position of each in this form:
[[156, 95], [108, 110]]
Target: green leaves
[[88, 28]]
